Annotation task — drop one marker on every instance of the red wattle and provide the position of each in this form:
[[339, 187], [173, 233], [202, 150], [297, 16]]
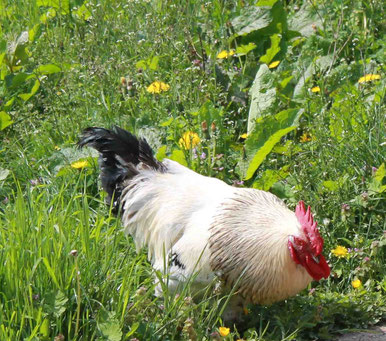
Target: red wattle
[[317, 270]]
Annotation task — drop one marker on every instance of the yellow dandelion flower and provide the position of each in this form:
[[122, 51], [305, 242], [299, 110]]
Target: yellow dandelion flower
[[157, 87], [225, 54], [80, 164], [340, 252], [274, 64], [315, 89], [57, 148], [244, 136], [189, 140], [356, 283], [224, 331], [306, 137], [368, 78]]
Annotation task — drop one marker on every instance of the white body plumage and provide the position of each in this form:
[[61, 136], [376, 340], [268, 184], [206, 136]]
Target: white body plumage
[[212, 228]]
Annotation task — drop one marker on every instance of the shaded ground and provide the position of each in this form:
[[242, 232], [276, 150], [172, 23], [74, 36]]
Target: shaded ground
[[374, 334]]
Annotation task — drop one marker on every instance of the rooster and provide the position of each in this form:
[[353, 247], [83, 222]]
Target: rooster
[[201, 226]]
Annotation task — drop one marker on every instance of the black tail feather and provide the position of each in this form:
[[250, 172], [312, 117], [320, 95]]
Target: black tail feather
[[120, 151]]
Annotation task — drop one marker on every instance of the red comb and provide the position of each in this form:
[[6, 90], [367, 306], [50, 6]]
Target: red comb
[[309, 227]]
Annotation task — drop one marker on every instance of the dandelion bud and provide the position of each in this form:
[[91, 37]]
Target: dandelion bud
[[123, 81], [59, 337], [345, 207], [189, 329], [375, 244], [213, 127], [204, 126], [34, 182], [130, 86], [188, 300], [365, 196], [215, 336], [196, 62], [141, 291]]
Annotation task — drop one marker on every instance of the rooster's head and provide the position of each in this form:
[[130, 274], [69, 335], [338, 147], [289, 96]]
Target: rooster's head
[[307, 249]]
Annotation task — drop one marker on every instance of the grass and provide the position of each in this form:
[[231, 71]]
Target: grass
[[67, 270]]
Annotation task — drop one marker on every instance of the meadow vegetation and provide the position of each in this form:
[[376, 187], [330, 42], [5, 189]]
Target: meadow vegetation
[[285, 96]]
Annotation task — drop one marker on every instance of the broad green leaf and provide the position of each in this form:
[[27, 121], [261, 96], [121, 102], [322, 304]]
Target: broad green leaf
[[4, 173], [251, 19], [285, 82], [263, 96], [270, 177], [82, 13], [133, 329], [282, 190], [141, 64], [161, 153], [167, 122], [34, 32], [273, 50], [304, 21], [242, 50], [55, 303], [150, 63], [44, 329], [179, 156], [267, 132], [44, 18], [61, 5], [9, 103], [35, 88], [318, 65], [109, 326], [14, 81], [380, 173], [5, 120], [376, 184], [266, 2], [47, 69], [20, 56], [60, 301], [153, 63], [209, 113]]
